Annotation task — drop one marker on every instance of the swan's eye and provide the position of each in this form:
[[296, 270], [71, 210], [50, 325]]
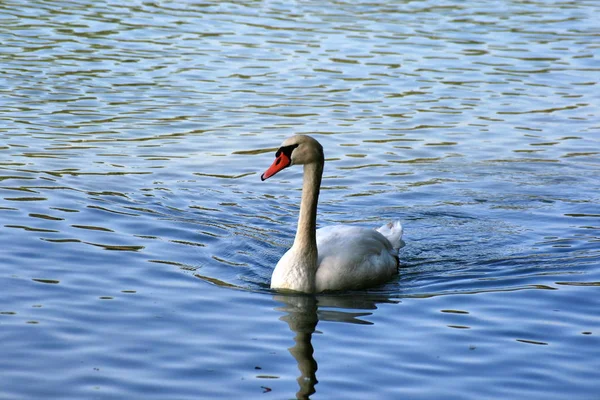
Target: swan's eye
[[287, 150]]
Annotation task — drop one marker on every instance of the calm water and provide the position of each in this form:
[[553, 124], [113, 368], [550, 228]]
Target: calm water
[[137, 241]]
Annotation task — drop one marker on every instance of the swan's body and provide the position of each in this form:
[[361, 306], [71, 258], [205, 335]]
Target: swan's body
[[338, 257]]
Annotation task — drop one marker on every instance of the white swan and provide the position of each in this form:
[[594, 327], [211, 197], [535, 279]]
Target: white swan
[[339, 257]]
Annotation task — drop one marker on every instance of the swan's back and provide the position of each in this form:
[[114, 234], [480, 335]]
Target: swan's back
[[351, 257]]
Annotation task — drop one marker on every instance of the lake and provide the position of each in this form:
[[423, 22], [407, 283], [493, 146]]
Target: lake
[[137, 240]]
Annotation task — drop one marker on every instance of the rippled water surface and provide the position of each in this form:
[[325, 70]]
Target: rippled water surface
[[137, 241]]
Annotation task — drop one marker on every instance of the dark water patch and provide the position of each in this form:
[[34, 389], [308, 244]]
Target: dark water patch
[[532, 342], [46, 217], [25, 198], [50, 281], [30, 229]]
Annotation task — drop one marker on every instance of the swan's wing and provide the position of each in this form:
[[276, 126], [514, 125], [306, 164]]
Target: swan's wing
[[393, 232], [353, 257]]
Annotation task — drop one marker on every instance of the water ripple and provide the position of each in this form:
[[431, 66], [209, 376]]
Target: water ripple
[[138, 240]]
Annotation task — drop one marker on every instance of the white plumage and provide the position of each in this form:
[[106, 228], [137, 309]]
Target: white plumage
[[339, 257], [352, 257]]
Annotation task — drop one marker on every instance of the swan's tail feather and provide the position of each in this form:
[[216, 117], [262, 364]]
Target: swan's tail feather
[[393, 232]]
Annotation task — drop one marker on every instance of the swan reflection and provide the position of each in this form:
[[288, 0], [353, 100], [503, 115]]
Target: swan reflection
[[302, 314]]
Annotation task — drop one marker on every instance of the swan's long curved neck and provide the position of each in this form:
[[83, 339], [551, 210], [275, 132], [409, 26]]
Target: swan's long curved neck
[[297, 269], [306, 236]]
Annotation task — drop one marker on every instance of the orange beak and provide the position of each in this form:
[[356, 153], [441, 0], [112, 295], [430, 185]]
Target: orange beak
[[282, 161]]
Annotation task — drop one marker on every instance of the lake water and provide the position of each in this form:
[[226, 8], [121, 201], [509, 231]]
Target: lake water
[[137, 240]]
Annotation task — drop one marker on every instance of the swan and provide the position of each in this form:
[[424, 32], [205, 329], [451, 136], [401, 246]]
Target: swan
[[339, 257]]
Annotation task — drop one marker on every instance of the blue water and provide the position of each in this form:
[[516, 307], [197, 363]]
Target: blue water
[[137, 241]]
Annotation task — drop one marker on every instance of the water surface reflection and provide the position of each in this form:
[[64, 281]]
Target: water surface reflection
[[303, 313]]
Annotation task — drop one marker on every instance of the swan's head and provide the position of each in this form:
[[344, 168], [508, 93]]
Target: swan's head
[[295, 150]]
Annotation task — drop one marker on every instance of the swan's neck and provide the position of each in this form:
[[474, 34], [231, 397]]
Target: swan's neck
[[306, 236], [297, 269]]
